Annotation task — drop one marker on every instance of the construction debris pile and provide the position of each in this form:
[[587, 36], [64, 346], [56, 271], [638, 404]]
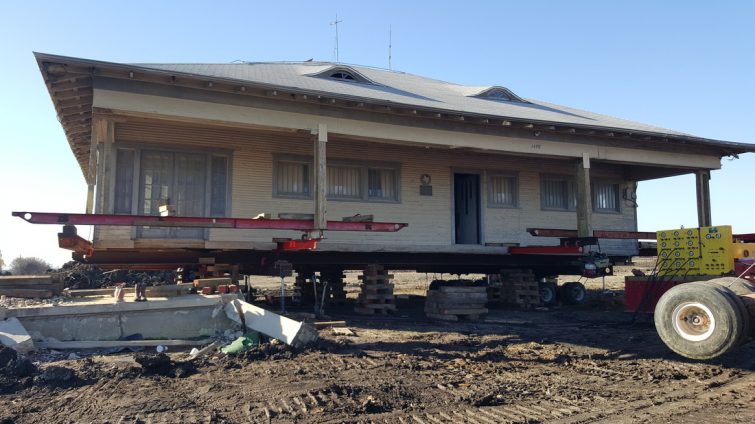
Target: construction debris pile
[[83, 276]]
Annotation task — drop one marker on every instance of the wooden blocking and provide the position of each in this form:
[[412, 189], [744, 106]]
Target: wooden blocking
[[377, 291], [334, 285], [453, 302], [520, 287], [31, 286], [212, 282]]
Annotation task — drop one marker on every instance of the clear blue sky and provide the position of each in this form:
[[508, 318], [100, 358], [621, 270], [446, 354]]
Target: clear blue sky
[[684, 65]]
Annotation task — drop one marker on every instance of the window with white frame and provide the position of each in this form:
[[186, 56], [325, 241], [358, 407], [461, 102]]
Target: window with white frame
[[292, 178], [346, 180], [557, 192], [195, 183], [502, 191], [382, 184], [605, 196]]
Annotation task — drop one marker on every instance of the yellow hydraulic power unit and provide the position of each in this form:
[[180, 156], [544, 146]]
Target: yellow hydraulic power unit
[[696, 251]]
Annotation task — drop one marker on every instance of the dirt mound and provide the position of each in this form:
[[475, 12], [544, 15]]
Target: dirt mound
[[161, 364], [56, 376], [14, 370]]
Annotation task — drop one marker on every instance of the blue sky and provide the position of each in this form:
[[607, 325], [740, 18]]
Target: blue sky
[[685, 65]]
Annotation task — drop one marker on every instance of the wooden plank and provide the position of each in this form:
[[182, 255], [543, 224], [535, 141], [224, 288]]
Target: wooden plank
[[25, 279], [442, 317], [321, 177], [27, 293], [96, 344]]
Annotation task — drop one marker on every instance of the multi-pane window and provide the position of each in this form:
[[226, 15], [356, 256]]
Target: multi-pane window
[[382, 184], [292, 178], [605, 196], [124, 181], [502, 191], [557, 193], [194, 183], [345, 180]]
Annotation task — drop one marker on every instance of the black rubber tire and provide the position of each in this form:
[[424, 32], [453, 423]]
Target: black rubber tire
[[572, 293], [729, 321], [548, 293], [739, 286], [737, 303]]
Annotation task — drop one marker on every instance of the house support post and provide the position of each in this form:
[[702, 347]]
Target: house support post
[[91, 176], [584, 198], [702, 183], [320, 181], [103, 137]]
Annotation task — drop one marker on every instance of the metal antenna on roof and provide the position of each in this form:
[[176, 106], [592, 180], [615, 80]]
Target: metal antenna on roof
[[335, 23], [390, 45]]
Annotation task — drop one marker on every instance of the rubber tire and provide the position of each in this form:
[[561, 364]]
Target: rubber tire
[[739, 286], [548, 293], [573, 293], [729, 320], [737, 303]]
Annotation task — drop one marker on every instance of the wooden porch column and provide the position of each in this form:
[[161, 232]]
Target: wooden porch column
[[91, 177], [584, 198], [103, 132], [702, 183], [321, 178]]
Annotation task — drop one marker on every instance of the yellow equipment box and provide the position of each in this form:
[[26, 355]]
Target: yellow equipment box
[[695, 251]]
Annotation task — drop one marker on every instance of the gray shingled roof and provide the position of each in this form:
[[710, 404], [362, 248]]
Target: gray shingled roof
[[403, 89]]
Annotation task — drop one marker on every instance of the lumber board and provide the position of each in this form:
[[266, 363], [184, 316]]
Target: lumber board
[[26, 279], [455, 289], [27, 293], [96, 344], [442, 317]]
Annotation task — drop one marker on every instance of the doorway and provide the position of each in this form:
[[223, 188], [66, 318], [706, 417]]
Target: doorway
[[467, 208]]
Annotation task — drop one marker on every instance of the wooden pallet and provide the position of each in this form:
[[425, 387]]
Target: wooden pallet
[[377, 292]]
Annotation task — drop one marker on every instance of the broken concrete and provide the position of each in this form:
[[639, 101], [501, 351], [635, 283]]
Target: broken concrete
[[14, 335], [100, 319], [291, 332]]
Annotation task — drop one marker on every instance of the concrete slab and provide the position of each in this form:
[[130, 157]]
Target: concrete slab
[[14, 335], [182, 317], [291, 332]]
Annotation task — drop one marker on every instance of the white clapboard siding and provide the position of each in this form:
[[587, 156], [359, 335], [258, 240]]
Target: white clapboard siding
[[429, 217]]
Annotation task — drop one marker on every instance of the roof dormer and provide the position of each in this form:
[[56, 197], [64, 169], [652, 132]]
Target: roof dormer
[[499, 94], [344, 74]]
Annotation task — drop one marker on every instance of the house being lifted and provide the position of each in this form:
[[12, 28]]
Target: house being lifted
[[469, 169]]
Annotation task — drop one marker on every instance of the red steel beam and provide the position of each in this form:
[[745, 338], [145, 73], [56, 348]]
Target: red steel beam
[[604, 234], [201, 222]]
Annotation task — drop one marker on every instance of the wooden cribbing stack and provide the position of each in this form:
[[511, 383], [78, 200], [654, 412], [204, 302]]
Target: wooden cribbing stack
[[525, 290], [377, 292], [454, 302], [31, 286]]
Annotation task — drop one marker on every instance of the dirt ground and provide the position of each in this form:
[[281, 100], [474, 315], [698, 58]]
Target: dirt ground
[[583, 364]]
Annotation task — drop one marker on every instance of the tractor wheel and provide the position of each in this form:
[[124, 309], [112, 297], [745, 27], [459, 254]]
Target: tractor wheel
[[739, 286], [548, 293], [573, 293], [736, 301], [699, 321]]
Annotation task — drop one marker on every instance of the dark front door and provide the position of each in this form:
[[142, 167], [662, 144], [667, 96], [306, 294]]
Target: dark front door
[[467, 208]]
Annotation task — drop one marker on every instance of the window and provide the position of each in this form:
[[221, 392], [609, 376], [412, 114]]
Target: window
[[605, 197], [502, 191], [498, 95], [124, 181], [557, 193], [292, 179], [195, 183], [342, 75], [346, 180], [382, 184]]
